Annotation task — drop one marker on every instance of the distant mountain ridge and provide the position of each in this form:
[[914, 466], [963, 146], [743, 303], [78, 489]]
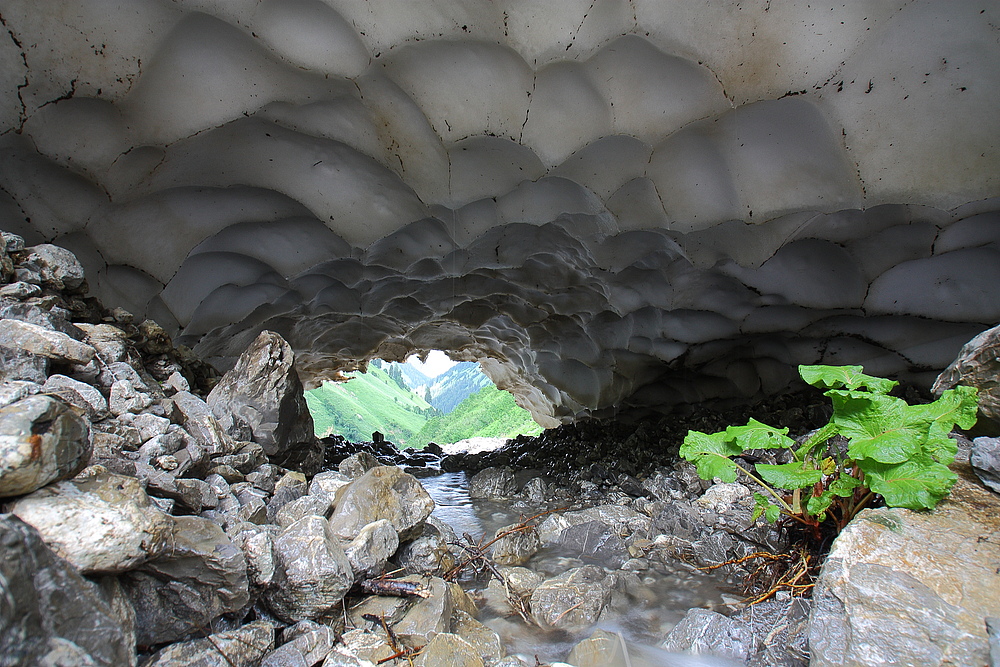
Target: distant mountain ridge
[[455, 385]]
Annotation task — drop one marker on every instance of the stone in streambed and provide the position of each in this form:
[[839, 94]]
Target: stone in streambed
[[42, 440], [372, 548], [49, 611], [706, 632], [574, 599], [493, 483], [242, 647], [449, 650], [381, 493]]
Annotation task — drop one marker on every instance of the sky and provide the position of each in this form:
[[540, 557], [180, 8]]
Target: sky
[[437, 363]]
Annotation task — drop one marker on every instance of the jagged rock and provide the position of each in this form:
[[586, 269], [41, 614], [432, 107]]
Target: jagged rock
[[263, 391], [574, 599], [19, 366], [357, 464], [257, 544], [48, 609], [985, 461], [41, 342], [19, 290], [593, 541], [58, 267], [42, 440], [904, 587], [326, 484], [150, 426], [198, 577], [706, 632], [521, 581], [487, 643], [47, 319], [78, 393], [291, 486], [429, 553], [154, 338], [312, 572], [202, 424], [306, 643], [977, 365], [381, 493], [124, 398], [243, 647], [782, 631], [493, 483], [449, 650], [110, 342], [300, 507], [596, 533], [515, 548], [428, 616], [369, 551], [101, 522], [15, 390], [993, 629]]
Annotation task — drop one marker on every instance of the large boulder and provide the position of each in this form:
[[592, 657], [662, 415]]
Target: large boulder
[[262, 394], [977, 365], [312, 572], [101, 522], [199, 577], [573, 600], [49, 614], [911, 588], [42, 440], [385, 492], [42, 342]]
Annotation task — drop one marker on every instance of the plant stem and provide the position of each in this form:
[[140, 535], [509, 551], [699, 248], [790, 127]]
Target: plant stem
[[786, 506]]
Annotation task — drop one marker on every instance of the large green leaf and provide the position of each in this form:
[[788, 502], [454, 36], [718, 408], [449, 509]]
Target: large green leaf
[[955, 407], [710, 454], [915, 484], [789, 475], [756, 435], [850, 377], [883, 428]]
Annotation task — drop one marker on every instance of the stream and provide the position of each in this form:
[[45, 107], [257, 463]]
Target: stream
[[655, 600]]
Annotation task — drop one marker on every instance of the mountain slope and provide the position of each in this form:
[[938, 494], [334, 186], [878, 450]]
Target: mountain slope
[[373, 401], [490, 412], [456, 384]]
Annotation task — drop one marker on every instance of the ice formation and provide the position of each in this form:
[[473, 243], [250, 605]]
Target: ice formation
[[616, 204]]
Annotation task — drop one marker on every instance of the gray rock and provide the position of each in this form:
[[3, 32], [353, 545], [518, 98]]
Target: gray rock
[[42, 440], [601, 649], [985, 461], [486, 642], [369, 551], [45, 318], [42, 342], [903, 587], [46, 607], [312, 573], [429, 553], [110, 342], [300, 507], [290, 487], [521, 583], [151, 426], [100, 523], [196, 495], [202, 424], [19, 366], [20, 290], [782, 631], [449, 650], [58, 267], [492, 483], [199, 576], [358, 464], [124, 398], [242, 647], [594, 542], [263, 391], [77, 393], [381, 493], [572, 600], [705, 632], [428, 616], [326, 484], [993, 628], [306, 643], [977, 365], [15, 390], [516, 547], [257, 544]]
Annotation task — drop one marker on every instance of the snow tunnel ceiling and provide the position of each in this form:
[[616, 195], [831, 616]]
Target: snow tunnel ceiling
[[622, 203]]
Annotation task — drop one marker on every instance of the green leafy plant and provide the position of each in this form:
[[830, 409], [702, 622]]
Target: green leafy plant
[[896, 450]]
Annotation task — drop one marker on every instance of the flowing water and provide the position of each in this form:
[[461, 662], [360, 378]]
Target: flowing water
[[641, 615]]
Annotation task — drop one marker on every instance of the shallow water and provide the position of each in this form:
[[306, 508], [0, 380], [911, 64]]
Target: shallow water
[[643, 614]]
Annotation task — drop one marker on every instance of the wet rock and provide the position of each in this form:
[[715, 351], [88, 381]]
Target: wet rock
[[977, 365], [985, 461], [100, 523], [486, 642], [428, 616], [601, 649], [993, 628], [381, 493], [263, 392], [903, 587], [42, 440], [47, 608], [312, 572], [200, 576], [41, 342], [58, 267], [574, 599], [493, 483], [516, 547], [290, 487], [705, 632], [449, 650], [242, 647], [593, 541], [429, 553], [369, 551], [520, 583], [782, 631], [306, 643]]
